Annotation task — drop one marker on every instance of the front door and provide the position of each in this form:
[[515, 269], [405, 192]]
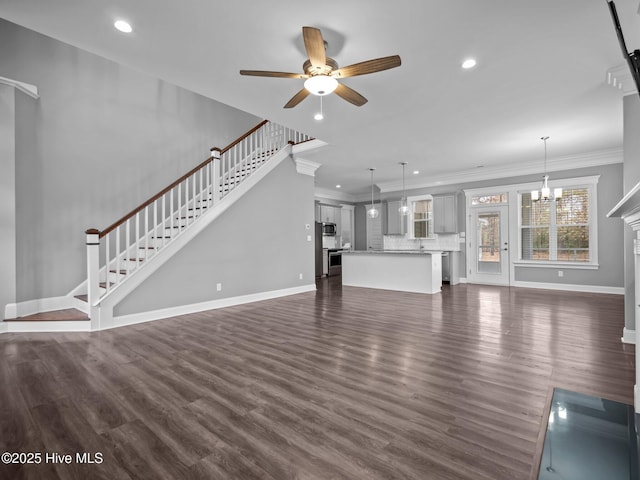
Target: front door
[[489, 245]]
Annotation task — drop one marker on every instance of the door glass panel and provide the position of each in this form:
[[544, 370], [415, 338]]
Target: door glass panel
[[488, 228]]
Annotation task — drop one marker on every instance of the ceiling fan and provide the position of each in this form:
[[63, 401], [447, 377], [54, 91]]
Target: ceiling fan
[[322, 73]]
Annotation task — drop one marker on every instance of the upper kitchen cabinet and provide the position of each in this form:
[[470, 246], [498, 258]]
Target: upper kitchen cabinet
[[330, 214], [396, 223], [346, 227], [445, 213]]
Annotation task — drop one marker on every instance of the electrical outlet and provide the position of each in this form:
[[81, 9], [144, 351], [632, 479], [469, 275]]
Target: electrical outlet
[[218, 287], [300, 276], [308, 238], [560, 273]]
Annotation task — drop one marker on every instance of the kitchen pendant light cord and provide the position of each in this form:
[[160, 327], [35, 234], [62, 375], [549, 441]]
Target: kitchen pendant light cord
[[544, 139]]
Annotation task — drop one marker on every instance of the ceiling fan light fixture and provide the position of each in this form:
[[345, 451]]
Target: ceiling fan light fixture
[[321, 85]]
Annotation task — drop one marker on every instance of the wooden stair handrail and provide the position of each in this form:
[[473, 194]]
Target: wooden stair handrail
[[114, 225], [141, 207], [231, 145]]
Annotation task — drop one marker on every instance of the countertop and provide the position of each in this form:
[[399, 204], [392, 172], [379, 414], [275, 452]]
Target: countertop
[[395, 252]]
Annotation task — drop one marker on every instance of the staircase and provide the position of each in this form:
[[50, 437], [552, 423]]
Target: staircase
[[142, 240]]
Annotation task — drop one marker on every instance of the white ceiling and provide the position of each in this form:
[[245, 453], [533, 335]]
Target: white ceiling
[[541, 71]]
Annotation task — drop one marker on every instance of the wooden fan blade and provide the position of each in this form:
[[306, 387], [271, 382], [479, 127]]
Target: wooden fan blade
[[314, 43], [350, 95], [370, 66], [297, 98], [262, 73]]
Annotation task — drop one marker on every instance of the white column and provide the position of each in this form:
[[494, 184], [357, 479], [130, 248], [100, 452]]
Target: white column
[[8, 246], [216, 166], [93, 265], [636, 387]]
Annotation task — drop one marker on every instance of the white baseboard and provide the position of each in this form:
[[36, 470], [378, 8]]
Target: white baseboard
[[3, 327], [22, 309], [61, 326], [570, 287], [463, 279], [134, 318], [628, 336]]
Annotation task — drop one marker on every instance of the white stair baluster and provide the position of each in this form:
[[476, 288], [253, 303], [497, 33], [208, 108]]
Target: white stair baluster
[[117, 274], [137, 244], [106, 255], [179, 206]]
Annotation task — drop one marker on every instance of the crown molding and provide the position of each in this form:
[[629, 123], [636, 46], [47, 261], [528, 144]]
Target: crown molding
[[306, 167], [572, 162], [27, 88], [326, 194]]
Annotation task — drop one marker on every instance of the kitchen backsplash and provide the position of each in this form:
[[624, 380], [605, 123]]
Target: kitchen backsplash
[[447, 242], [331, 242]]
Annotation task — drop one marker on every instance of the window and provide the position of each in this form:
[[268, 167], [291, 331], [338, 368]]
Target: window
[[488, 199], [560, 231], [421, 216]]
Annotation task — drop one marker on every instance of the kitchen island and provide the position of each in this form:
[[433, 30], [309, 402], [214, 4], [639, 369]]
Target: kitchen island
[[416, 271]]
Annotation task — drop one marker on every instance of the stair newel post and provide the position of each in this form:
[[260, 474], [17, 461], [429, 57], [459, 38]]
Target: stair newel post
[[93, 265], [216, 172]]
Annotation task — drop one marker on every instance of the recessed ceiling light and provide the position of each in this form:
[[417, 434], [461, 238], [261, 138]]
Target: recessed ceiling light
[[123, 26], [416, 172], [469, 63], [338, 186]]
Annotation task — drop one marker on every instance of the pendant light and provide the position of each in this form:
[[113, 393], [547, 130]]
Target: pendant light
[[544, 193], [404, 208], [372, 212]]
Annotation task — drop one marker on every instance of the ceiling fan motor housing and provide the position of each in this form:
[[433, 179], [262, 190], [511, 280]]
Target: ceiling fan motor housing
[[329, 67]]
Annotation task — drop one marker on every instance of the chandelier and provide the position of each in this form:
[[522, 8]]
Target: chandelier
[[544, 193]]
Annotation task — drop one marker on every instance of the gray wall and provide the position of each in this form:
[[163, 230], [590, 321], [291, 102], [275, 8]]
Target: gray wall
[[631, 107], [29, 198], [610, 231], [104, 139], [7, 197], [258, 245]]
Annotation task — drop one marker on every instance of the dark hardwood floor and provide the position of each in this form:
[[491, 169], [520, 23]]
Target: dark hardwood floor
[[345, 383]]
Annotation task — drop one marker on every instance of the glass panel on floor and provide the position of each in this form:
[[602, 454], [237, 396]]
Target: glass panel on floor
[[588, 438]]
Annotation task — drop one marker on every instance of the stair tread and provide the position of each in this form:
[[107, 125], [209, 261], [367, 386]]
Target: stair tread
[[66, 315], [84, 298]]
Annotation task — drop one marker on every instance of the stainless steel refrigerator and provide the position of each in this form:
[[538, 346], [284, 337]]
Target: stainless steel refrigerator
[[318, 249]]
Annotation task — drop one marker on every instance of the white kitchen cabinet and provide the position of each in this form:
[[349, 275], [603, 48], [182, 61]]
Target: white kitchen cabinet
[[396, 223], [445, 213], [346, 227], [327, 214], [337, 219]]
